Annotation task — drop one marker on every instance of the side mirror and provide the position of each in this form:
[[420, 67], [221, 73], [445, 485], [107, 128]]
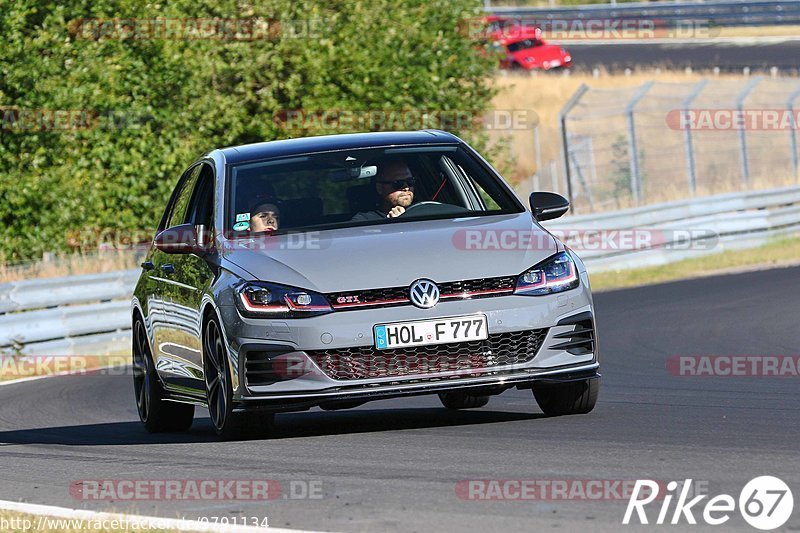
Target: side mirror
[[183, 239], [548, 205]]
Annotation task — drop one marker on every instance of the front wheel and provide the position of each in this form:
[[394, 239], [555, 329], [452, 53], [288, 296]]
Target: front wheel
[[156, 413], [571, 398], [228, 424]]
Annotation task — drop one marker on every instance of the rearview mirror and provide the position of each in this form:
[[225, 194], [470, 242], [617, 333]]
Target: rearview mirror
[[353, 173], [183, 239], [548, 205]]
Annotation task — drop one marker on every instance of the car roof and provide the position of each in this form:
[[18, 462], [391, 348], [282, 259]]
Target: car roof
[[324, 143]]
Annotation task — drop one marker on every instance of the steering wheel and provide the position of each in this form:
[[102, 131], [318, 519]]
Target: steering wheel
[[423, 205]]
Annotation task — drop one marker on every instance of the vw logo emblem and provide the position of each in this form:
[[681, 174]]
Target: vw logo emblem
[[424, 293]]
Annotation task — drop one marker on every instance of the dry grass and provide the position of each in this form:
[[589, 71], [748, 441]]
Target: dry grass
[[547, 93], [780, 253], [71, 265], [718, 169], [757, 31]]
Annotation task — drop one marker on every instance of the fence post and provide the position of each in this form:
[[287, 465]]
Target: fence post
[[793, 130], [582, 181], [562, 120], [633, 149], [592, 162], [687, 136], [743, 158], [538, 146]]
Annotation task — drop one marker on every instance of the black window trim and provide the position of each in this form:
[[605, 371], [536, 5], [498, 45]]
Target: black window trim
[[192, 208], [469, 152]]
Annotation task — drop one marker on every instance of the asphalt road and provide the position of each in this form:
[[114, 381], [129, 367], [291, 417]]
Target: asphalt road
[[394, 465], [727, 56]]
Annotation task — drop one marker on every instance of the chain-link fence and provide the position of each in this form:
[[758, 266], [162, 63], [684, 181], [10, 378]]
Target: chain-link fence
[[666, 141]]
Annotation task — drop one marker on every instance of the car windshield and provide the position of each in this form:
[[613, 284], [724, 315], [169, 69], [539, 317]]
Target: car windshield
[[523, 45], [361, 187]]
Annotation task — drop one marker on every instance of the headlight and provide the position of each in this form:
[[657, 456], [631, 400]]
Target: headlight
[[555, 274], [259, 299]]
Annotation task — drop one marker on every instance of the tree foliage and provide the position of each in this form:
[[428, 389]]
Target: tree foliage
[[152, 105]]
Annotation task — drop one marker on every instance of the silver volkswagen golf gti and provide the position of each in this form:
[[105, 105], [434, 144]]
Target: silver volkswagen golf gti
[[331, 271]]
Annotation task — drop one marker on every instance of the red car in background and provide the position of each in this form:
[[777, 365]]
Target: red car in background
[[522, 46]]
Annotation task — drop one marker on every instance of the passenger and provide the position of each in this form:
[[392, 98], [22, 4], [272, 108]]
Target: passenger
[[265, 217], [394, 185]]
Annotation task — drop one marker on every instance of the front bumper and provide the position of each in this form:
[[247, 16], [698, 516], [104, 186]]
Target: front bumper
[[553, 313], [491, 384]]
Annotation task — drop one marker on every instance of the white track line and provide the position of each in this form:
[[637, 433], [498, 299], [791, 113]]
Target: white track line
[[176, 524], [163, 523]]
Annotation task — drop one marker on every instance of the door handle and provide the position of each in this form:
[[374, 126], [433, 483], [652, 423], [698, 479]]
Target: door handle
[[168, 268], [148, 265]]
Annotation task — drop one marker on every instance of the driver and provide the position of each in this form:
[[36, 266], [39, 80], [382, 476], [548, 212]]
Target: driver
[[395, 187]]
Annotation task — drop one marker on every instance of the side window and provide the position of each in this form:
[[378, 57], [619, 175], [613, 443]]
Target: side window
[[201, 208], [180, 201], [489, 203]]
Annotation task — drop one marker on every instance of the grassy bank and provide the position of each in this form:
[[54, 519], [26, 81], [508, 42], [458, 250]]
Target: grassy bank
[[783, 252]]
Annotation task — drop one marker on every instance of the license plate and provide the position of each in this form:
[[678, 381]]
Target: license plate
[[435, 331]]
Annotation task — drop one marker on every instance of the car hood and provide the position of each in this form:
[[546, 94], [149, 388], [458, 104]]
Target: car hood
[[394, 255]]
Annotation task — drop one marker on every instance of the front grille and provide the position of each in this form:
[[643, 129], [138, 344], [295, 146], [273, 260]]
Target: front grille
[[391, 296], [369, 298], [366, 362], [472, 286]]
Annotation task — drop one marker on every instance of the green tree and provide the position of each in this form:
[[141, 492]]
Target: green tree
[[158, 103]]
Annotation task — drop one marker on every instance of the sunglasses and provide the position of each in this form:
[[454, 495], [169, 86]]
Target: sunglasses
[[400, 184]]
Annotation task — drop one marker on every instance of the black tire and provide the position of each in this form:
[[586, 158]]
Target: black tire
[[461, 400], [156, 413], [228, 424], [572, 398]]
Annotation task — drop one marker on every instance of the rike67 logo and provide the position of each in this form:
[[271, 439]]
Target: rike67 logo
[[765, 503]]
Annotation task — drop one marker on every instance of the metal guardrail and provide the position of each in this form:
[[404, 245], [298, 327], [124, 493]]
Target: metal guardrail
[[91, 314], [685, 228], [715, 13], [42, 293]]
